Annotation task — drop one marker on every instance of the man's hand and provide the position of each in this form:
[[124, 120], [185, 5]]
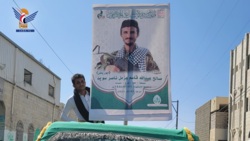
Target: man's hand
[[112, 68]]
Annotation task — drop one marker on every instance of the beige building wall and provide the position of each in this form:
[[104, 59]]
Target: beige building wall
[[218, 135], [25, 107], [211, 121], [239, 92], [217, 102], [202, 121], [219, 125]]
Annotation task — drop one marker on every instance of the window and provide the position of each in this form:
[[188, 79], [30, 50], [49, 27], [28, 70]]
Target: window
[[27, 76], [19, 131], [51, 91], [248, 60], [223, 108], [30, 133], [247, 106]]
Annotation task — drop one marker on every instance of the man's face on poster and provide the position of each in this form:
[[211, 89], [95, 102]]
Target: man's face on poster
[[129, 35]]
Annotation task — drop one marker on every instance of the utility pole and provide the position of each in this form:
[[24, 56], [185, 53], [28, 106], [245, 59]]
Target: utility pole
[[176, 112], [125, 122]]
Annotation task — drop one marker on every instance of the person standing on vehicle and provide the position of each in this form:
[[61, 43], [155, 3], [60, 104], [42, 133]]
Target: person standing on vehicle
[[79, 102]]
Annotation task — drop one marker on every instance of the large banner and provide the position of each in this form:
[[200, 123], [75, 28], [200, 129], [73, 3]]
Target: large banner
[[131, 63]]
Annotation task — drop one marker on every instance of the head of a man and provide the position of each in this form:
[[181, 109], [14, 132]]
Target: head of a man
[[78, 81], [129, 31]]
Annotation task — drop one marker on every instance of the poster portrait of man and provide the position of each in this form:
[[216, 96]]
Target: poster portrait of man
[[130, 57], [131, 62]]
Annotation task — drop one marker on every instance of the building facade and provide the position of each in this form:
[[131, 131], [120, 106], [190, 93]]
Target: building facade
[[239, 92], [29, 93], [212, 120]]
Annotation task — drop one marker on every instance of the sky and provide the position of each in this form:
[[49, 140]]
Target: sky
[[202, 34]]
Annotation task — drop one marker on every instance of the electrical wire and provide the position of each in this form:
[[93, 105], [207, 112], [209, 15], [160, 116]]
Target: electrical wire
[[198, 83], [203, 38], [37, 31]]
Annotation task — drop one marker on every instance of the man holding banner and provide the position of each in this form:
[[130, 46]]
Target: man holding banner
[[79, 102]]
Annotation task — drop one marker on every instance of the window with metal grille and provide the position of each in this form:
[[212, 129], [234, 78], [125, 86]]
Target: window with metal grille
[[51, 91], [27, 76]]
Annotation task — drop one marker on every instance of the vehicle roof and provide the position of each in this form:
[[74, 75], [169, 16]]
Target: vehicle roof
[[157, 133]]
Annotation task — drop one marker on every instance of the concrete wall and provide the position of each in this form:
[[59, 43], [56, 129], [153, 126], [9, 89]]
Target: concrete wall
[[27, 108], [16, 60], [218, 134], [202, 121], [27, 105], [239, 91]]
